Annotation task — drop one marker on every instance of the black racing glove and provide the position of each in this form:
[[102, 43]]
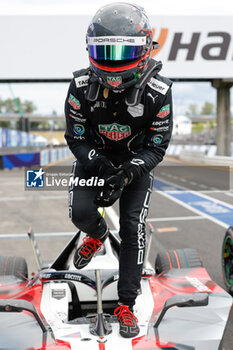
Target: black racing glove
[[112, 190], [128, 170], [101, 167]]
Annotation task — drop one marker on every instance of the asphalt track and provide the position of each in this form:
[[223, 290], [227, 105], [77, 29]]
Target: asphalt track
[[198, 219]]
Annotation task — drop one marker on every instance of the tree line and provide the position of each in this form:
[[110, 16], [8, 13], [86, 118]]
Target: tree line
[[16, 105], [207, 109]]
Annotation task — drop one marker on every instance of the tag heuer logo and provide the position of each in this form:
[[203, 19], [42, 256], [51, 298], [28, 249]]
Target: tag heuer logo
[[82, 81], [164, 111], [74, 102], [114, 81], [115, 132], [158, 86]]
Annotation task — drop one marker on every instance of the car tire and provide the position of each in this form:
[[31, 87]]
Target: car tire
[[227, 260], [177, 259], [13, 266]]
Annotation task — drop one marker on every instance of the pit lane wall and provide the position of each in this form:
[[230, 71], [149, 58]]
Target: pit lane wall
[[191, 153], [175, 150], [204, 154], [40, 158]]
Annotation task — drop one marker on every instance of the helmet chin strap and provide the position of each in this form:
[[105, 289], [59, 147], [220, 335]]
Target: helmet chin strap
[[133, 94], [93, 88]]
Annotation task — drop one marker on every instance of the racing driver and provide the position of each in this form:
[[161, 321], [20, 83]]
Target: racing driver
[[119, 124]]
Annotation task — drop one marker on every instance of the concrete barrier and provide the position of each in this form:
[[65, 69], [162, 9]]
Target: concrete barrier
[[174, 150], [201, 157], [192, 156], [53, 155], [219, 160]]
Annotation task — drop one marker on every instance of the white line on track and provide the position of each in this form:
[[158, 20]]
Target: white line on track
[[11, 183], [7, 199], [40, 235], [214, 199], [196, 211], [178, 218], [37, 235], [200, 192], [203, 186], [206, 216], [110, 211], [212, 191], [39, 198]]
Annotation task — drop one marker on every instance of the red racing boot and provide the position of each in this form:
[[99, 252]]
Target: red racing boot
[[128, 321], [87, 250]]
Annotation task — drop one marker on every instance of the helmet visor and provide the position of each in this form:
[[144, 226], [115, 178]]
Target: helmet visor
[[116, 48], [115, 52]]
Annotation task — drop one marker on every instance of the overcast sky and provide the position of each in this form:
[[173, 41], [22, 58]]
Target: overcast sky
[[49, 97]]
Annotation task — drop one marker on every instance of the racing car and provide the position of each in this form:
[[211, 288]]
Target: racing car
[[227, 259], [178, 307]]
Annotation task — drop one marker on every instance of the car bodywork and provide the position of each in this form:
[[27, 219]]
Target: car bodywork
[[180, 309]]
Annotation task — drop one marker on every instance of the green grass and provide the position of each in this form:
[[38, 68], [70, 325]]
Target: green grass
[[197, 127]]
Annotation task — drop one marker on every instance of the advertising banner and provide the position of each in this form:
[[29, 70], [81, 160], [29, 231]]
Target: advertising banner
[[52, 47], [11, 161], [14, 138]]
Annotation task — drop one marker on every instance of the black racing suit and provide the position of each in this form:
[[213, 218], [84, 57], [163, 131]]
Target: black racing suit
[[133, 137]]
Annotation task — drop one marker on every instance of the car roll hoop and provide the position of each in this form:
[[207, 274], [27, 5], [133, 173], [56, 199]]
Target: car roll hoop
[[19, 305], [183, 300]]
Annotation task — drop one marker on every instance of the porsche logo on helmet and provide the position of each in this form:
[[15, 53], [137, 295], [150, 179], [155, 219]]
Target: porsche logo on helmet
[[114, 81]]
